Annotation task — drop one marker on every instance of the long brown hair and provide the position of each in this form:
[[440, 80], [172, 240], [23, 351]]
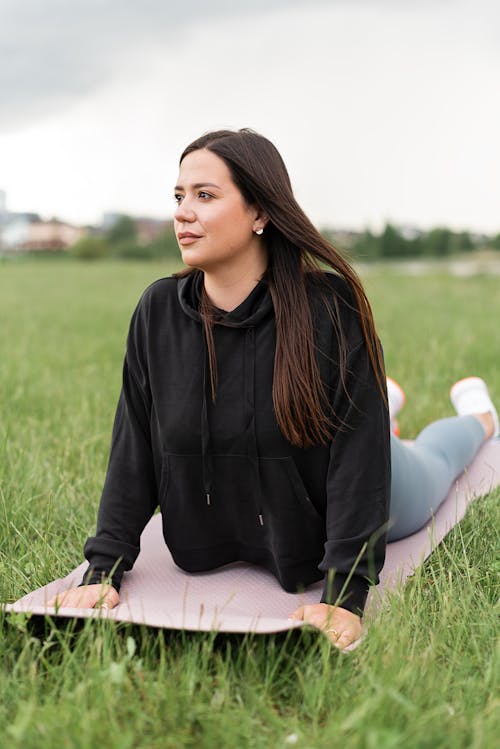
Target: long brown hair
[[295, 248]]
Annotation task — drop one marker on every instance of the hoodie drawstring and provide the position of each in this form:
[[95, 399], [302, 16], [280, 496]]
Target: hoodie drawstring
[[207, 465], [253, 454], [249, 401]]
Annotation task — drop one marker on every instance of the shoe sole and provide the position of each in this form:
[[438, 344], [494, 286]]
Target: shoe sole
[[462, 385]]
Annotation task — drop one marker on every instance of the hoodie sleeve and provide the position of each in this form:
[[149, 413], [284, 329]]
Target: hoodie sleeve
[[358, 488], [129, 496]]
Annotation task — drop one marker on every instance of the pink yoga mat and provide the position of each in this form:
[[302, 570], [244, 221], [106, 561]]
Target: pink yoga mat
[[241, 597]]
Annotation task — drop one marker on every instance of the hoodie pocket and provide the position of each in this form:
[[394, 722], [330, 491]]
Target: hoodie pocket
[[290, 542], [190, 521], [296, 529], [300, 490]]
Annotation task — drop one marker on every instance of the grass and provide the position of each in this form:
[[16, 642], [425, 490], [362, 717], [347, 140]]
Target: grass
[[427, 674]]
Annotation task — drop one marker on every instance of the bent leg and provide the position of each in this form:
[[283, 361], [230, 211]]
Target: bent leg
[[423, 473]]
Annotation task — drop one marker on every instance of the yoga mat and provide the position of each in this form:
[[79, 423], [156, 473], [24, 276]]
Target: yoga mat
[[241, 597]]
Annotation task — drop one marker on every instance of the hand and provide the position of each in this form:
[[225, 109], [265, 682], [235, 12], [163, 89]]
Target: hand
[[346, 625], [87, 597]]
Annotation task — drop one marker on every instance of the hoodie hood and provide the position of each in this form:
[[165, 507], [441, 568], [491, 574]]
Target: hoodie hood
[[247, 315], [257, 305]]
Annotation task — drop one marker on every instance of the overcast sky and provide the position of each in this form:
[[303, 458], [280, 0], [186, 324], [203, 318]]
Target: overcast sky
[[382, 109]]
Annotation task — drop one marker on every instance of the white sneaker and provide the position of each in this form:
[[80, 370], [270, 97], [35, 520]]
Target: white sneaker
[[471, 396], [397, 398]]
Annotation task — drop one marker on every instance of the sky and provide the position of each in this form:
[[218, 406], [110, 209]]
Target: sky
[[383, 110]]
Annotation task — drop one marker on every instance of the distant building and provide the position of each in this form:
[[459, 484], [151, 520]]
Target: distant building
[[14, 226], [479, 239], [51, 235], [341, 238], [109, 219], [14, 230]]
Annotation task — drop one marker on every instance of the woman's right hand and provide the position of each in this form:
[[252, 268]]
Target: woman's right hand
[[87, 597]]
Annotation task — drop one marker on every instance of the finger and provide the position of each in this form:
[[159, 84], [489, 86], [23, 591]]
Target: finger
[[344, 639], [106, 604], [334, 638], [332, 633], [311, 615], [58, 600], [109, 599], [70, 599], [330, 618]]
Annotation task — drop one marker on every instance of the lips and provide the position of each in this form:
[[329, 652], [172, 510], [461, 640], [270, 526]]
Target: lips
[[187, 237]]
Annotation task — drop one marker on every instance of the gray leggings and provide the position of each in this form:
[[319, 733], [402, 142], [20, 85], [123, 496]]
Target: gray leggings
[[423, 473]]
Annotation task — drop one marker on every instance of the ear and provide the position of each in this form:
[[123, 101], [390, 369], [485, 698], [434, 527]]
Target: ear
[[261, 219]]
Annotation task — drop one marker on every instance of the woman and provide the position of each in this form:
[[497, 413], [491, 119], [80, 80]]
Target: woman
[[253, 408]]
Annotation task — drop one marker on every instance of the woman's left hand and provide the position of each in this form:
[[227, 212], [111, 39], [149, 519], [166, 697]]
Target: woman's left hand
[[344, 625]]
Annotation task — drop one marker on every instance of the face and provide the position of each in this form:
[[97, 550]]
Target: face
[[210, 207]]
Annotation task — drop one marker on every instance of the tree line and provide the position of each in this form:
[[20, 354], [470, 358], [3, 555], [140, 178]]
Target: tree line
[[390, 244], [121, 241]]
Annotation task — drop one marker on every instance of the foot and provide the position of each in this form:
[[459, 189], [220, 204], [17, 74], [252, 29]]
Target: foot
[[470, 396], [397, 398]]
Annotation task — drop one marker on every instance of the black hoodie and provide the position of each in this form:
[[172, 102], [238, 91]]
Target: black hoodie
[[229, 485]]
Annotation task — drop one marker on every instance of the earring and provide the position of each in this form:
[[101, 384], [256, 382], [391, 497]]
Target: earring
[[259, 231]]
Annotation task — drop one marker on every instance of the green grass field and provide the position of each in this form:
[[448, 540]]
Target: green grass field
[[427, 674]]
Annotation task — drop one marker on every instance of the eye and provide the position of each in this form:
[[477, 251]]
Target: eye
[[177, 197], [203, 193]]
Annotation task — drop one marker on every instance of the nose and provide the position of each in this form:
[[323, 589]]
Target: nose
[[183, 211]]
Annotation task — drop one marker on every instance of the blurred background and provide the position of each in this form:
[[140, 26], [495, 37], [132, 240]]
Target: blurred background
[[386, 113]]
